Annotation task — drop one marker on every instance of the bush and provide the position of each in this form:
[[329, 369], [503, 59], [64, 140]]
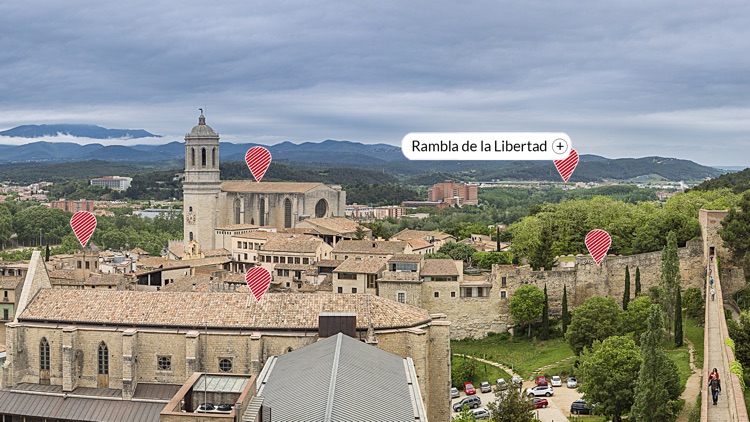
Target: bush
[[736, 368]]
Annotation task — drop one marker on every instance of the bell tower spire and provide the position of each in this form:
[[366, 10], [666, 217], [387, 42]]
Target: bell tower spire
[[202, 185]]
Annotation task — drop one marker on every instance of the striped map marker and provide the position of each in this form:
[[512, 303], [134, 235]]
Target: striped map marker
[[565, 167], [598, 243], [83, 224], [258, 279], [258, 159]]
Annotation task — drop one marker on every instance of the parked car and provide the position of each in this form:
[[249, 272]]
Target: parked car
[[455, 393], [472, 401], [556, 381], [469, 388], [580, 407], [500, 384], [516, 381], [540, 390], [541, 380], [481, 414], [537, 403], [572, 382], [485, 387]]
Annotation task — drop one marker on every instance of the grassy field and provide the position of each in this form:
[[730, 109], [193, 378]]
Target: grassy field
[[694, 333], [519, 353], [485, 372]]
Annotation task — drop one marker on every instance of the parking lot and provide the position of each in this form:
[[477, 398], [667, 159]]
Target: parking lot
[[557, 411]]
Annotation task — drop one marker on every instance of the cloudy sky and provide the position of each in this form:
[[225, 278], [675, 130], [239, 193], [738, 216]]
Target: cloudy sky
[[623, 78]]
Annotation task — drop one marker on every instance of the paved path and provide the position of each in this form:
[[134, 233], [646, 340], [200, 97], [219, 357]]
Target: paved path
[[716, 358], [692, 386]]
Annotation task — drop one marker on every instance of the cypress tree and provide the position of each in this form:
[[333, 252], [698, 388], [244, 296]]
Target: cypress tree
[[46, 254], [498, 239], [565, 313], [678, 319], [670, 280], [637, 281], [626, 294], [545, 316], [658, 379]]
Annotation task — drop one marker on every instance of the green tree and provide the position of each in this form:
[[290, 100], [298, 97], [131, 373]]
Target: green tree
[[610, 369], [46, 253], [545, 316], [510, 406], [637, 281], [465, 370], [565, 313], [626, 293], [437, 255], [596, 319], [670, 280], [735, 232], [6, 225], [740, 333], [543, 258], [693, 302], [526, 305], [466, 415], [658, 386], [488, 259], [359, 234], [634, 321], [458, 251], [678, 320]]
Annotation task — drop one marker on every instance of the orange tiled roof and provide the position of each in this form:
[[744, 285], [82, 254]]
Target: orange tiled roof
[[225, 310]]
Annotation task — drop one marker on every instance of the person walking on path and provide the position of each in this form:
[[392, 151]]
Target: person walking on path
[[711, 282], [713, 293], [715, 385]]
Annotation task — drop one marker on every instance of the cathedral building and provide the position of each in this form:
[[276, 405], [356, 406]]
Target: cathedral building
[[210, 203]]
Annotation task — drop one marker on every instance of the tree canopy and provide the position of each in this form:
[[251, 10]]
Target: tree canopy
[[526, 305], [595, 320]]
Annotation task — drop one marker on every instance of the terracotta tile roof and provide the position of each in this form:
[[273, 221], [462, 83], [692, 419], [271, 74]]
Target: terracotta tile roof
[[406, 257], [369, 246], [363, 266], [227, 310], [139, 251], [10, 282], [438, 267], [94, 280], [326, 285], [153, 262], [333, 225], [418, 243], [200, 262], [329, 263], [422, 234], [215, 252], [268, 187], [178, 250], [63, 274], [263, 235], [233, 227], [202, 285], [292, 245]]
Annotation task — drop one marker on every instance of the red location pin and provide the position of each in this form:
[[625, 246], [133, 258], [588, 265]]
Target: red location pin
[[258, 159], [598, 243], [565, 167], [83, 224], [258, 279]]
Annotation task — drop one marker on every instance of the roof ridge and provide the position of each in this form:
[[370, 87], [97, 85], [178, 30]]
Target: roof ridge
[[334, 373]]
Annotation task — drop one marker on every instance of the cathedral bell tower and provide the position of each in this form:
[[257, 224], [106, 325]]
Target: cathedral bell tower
[[202, 186]]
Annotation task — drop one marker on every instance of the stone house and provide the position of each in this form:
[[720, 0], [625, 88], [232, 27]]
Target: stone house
[[358, 275], [435, 237], [346, 249], [93, 342], [333, 229]]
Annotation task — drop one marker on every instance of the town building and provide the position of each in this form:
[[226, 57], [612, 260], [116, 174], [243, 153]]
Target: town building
[[112, 182], [454, 193], [210, 203], [95, 344], [346, 249], [73, 206]]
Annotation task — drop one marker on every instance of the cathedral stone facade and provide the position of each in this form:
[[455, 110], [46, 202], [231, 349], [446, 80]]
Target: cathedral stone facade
[[210, 203]]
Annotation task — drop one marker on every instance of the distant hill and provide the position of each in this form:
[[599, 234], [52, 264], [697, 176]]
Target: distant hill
[[738, 182], [381, 158], [79, 131]]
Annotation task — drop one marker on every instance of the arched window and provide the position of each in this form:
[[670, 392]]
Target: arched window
[[321, 208], [213, 158], [287, 213], [262, 211], [192, 156], [237, 215], [191, 236], [203, 157], [44, 355], [191, 209], [103, 360]]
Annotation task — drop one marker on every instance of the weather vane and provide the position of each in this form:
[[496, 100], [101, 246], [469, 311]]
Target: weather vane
[[201, 110]]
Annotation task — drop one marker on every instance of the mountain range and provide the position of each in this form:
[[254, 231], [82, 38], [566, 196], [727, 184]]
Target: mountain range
[[78, 131], [337, 154]]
